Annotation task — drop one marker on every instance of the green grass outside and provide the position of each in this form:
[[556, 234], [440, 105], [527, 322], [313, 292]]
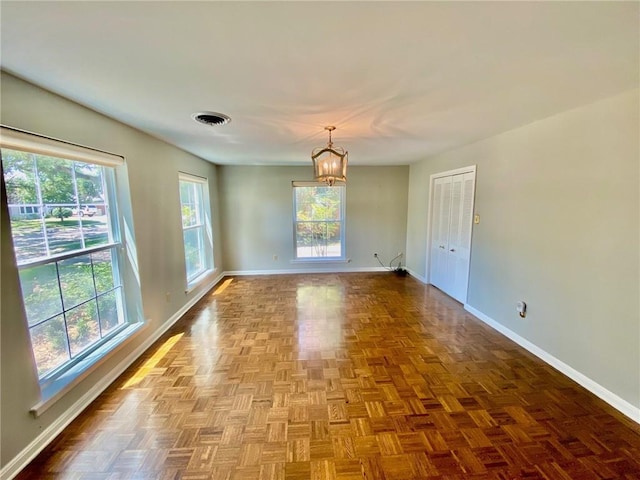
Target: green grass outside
[[22, 226], [63, 236]]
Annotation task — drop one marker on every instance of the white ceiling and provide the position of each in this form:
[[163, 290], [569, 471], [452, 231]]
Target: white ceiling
[[401, 81]]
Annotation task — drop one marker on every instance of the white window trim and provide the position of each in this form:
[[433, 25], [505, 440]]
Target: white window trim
[[71, 377], [323, 260], [192, 178], [53, 386], [199, 280], [343, 234], [195, 282], [15, 139]]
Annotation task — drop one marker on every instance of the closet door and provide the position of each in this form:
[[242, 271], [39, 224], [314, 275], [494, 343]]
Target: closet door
[[451, 223], [459, 247], [440, 232]]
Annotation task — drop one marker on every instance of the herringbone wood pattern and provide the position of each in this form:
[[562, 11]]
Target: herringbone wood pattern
[[349, 376]]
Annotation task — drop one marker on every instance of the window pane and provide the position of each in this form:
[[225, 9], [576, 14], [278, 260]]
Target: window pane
[[82, 325], [196, 245], [318, 239], [49, 343], [19, 176], [56, 180], [103, 270], [109, 310], [89, 184], [318, 203], [334, 240], [95, 228], [193, 252], [318, 212], [58, 206], [186, 192], [24, 206], [190, 195], [92, 206], [57, 191], [28, 236], [63, 232], [304, 202], [40, 292], [327, 203], [76, 279]]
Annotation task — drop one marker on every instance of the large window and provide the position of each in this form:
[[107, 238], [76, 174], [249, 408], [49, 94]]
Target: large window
[[318, 221], [66, 240], [196, 227]]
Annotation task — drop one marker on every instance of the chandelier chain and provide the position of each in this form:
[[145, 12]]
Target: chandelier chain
[[330, 128]]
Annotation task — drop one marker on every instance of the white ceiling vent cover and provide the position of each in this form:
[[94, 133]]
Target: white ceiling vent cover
[[211, 118]]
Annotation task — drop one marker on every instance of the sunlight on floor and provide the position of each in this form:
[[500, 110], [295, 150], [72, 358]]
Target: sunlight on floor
[[222, 287], [150, 364], [320, 315]]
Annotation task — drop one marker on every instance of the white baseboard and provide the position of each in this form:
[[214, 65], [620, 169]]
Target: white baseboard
[[290, 271], [611, 398], [12, 468], [417, 277]]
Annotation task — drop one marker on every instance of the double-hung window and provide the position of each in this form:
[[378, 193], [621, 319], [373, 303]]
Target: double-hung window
[[61, 202], [196, 227], [318, 221]]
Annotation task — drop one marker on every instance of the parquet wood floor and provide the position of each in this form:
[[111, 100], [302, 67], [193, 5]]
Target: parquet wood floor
[[345, 376]]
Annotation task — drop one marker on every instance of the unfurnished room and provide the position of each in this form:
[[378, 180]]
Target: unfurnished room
[[320, 240]]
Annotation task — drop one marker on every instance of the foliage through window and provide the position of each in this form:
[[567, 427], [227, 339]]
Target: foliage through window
[[195, 227], [67, 261], [318, 221]]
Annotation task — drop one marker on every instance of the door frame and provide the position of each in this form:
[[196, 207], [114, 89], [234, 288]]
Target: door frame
[[432, 178]]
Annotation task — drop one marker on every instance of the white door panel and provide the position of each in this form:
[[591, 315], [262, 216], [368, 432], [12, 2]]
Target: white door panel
[[451, 226], [442, 209]]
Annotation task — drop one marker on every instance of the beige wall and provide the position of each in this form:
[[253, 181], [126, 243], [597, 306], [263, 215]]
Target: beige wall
[[559, 207], [151, 211], [256, 205]]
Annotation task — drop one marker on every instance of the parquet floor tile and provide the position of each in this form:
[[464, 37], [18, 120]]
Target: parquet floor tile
[[340, 376]]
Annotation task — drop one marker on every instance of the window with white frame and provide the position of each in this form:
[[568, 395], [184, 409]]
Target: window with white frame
[[318, 221], [196, 227], [62, 210]]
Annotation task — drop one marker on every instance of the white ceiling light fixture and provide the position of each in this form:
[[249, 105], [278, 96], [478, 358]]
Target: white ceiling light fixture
[[329, 163]]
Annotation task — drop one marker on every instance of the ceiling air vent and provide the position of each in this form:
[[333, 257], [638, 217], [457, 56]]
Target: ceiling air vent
[[211, 118]]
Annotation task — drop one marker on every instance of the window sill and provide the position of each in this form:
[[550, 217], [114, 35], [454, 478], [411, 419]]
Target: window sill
[[321, 260], [199, 280], [61, 385]]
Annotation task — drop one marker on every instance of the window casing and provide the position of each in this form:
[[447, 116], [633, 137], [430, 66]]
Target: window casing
[[318, 221], [196, 227], [68, 264]]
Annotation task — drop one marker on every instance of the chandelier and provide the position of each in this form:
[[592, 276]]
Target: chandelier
[[329, 163]]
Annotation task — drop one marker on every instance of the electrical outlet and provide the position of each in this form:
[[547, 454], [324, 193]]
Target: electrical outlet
[[521, 308]]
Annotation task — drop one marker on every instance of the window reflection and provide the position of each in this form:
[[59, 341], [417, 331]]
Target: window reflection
[[320, 316]]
